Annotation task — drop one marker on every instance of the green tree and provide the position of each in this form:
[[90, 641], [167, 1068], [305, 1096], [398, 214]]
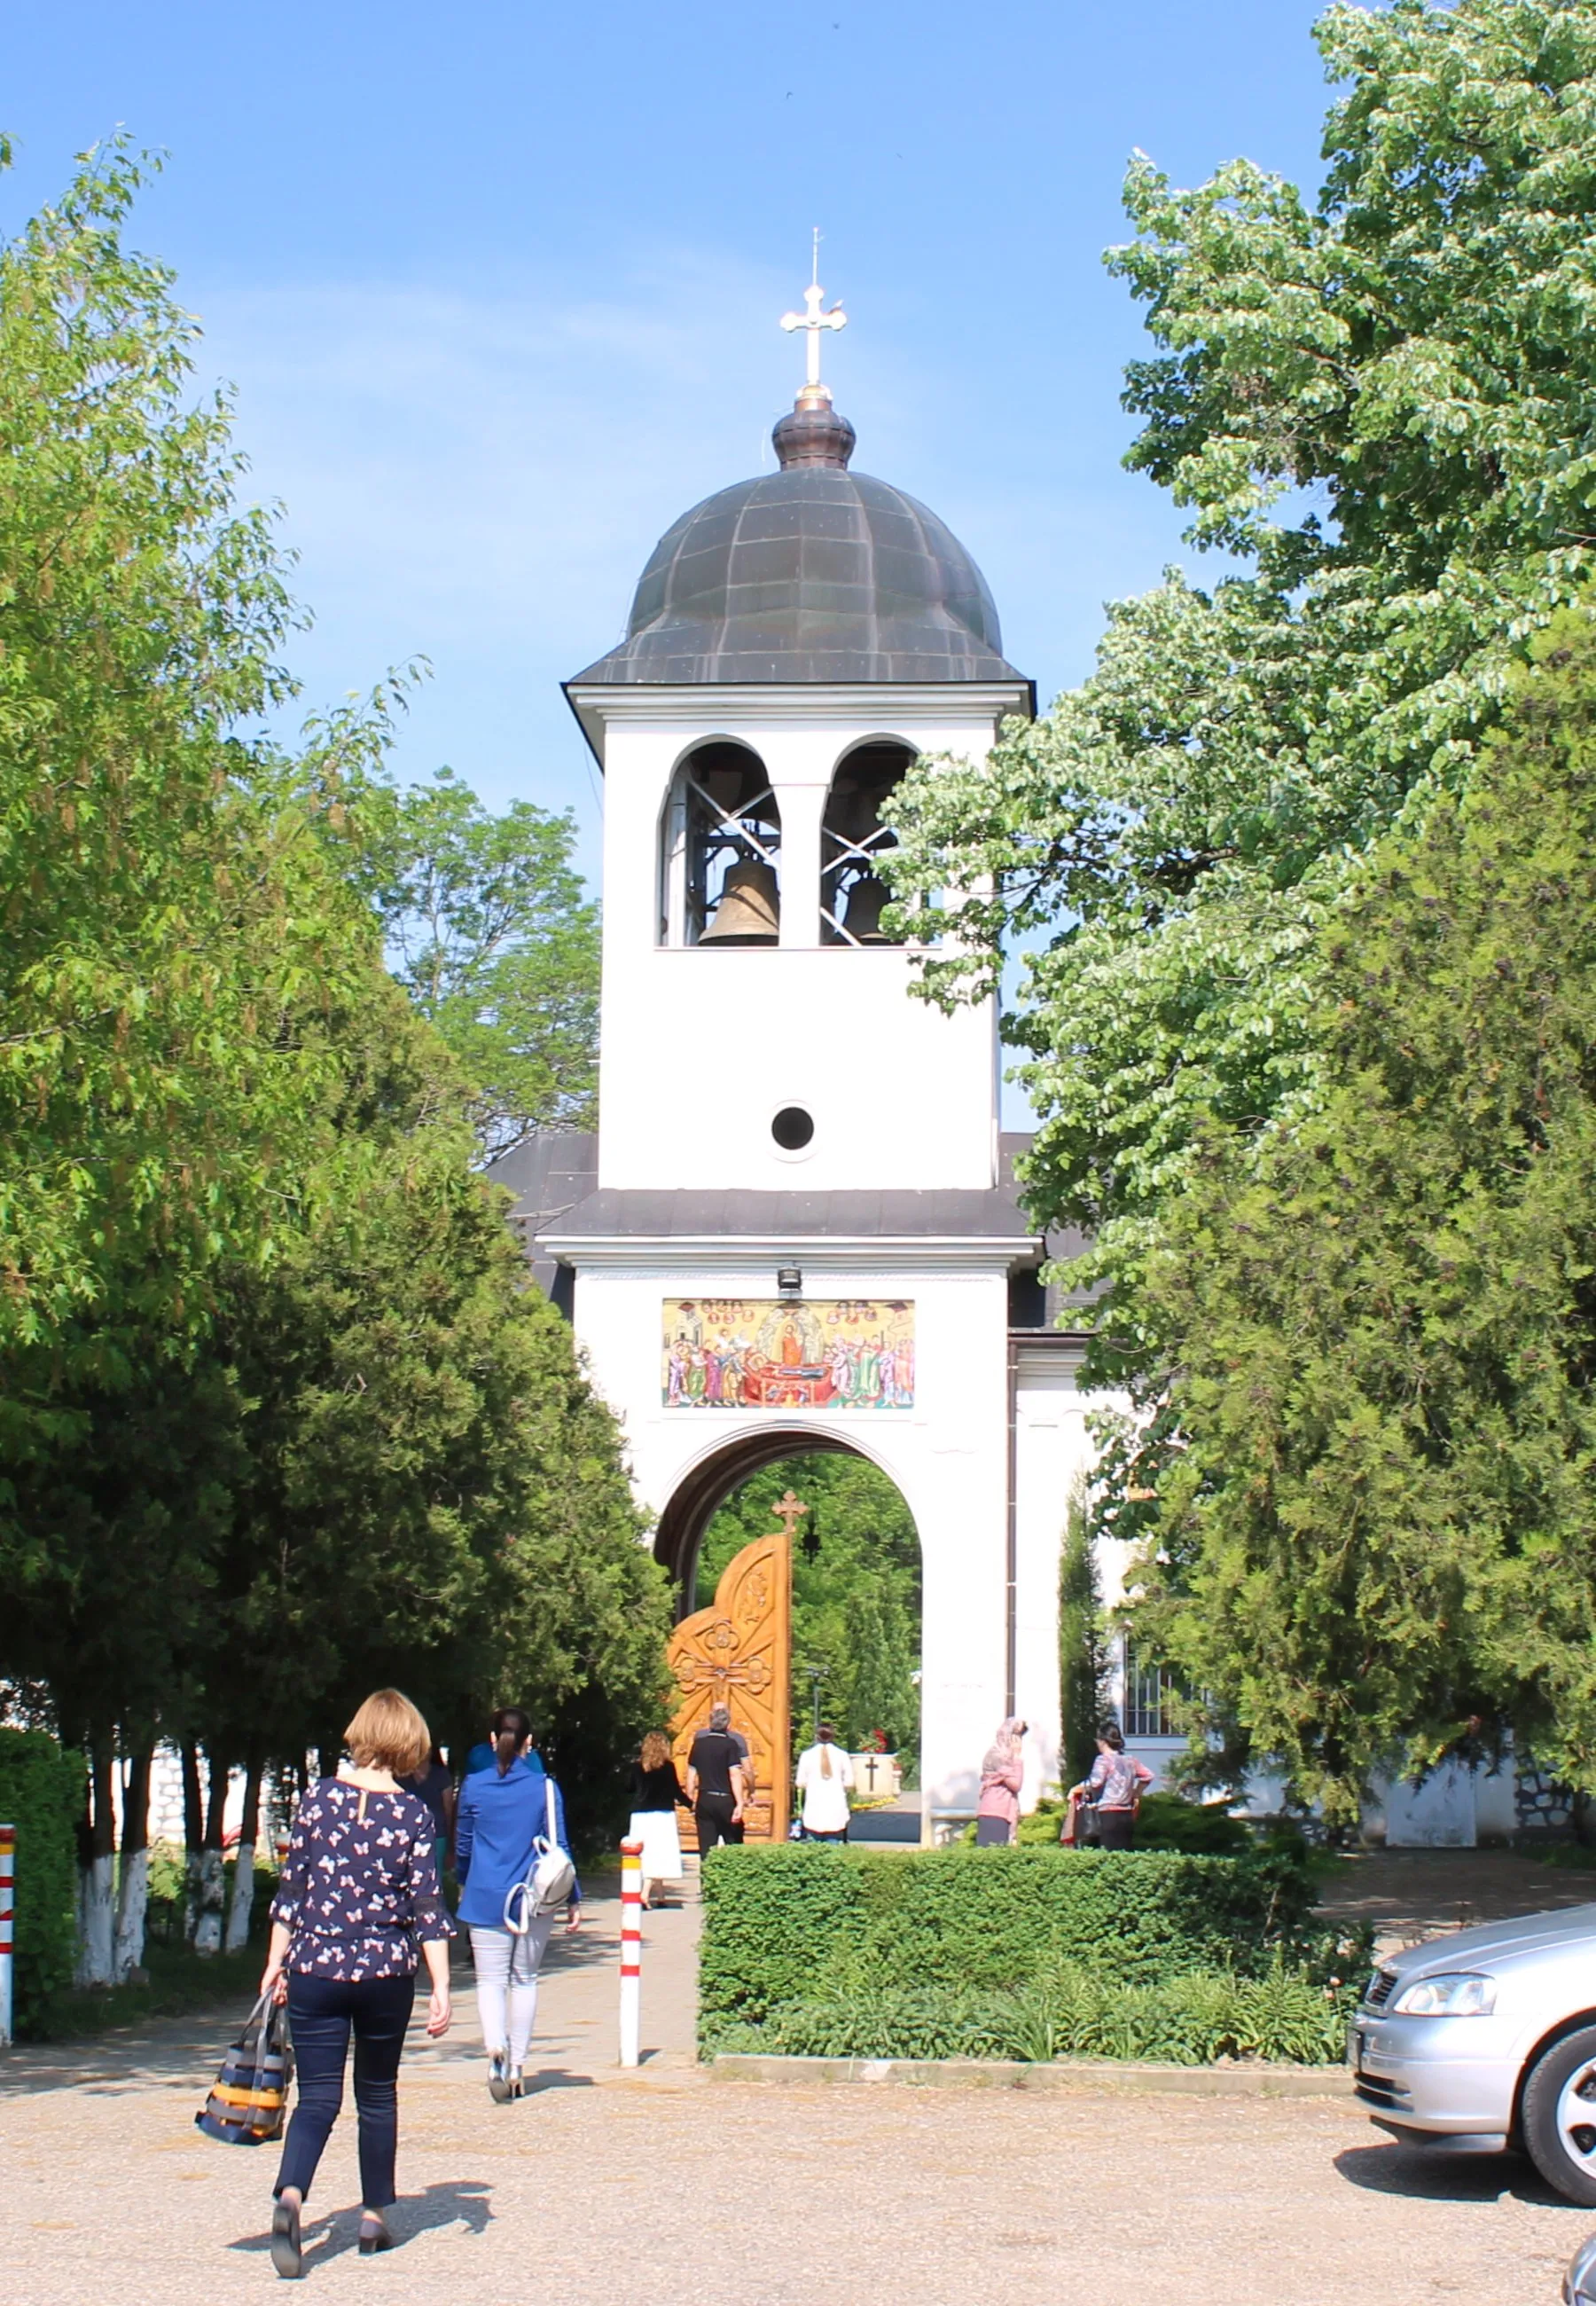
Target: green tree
[[491, 938], [434, 1497], [1381, 407], [855, 1594], [280, 1415], [1376, 1543], [1082, 1649], [164, 895]]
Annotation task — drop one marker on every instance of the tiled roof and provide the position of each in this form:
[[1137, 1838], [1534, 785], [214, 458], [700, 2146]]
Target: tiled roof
[[812, 574]]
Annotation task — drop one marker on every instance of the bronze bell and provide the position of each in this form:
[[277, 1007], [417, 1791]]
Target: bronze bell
[[750, 909], [861, 916]]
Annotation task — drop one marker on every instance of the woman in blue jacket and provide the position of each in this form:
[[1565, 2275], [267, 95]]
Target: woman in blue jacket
[[502, 1811]]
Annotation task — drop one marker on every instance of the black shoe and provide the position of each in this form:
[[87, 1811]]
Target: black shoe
[[286, 2253], [373, 2238]]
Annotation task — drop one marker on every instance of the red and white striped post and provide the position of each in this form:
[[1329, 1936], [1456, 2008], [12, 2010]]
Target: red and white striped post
[[8, 1871], [631, 1950]]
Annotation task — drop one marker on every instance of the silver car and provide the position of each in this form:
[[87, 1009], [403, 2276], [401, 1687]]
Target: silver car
[[1487, 2039]]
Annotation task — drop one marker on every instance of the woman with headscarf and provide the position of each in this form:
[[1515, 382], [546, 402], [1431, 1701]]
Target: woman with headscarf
[[997, 1812]]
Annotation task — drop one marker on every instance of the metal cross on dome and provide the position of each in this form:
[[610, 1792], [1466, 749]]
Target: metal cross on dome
[[812, 320]]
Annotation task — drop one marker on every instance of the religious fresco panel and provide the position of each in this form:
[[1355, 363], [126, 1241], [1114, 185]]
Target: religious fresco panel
[[775, 1352]]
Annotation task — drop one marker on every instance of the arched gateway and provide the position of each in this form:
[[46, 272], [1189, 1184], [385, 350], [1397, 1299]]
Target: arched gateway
[[705, 1486], [799, 1227]]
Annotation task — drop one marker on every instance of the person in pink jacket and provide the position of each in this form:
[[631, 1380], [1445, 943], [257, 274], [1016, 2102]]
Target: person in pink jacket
[[997, 1812]]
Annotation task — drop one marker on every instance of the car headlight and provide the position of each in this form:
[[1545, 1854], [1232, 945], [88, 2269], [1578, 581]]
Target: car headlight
[[1454, 1994]]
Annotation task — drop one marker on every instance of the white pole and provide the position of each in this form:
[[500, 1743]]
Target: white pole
[[631, 1950], [8, 1861]]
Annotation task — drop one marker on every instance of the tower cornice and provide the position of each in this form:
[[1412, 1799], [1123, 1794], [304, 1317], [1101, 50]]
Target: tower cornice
[[772, 705]]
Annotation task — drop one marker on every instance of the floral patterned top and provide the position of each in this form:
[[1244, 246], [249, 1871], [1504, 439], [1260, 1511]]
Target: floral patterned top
[[359, 1886]]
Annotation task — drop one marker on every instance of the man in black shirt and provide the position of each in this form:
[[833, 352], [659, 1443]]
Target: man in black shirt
[[735, 1833], [716, 1784]]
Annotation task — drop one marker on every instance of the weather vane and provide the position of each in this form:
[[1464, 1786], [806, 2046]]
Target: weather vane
[[812, 320]]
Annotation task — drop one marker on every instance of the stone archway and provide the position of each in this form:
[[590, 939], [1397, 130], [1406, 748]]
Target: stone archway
[[722, 1631], [707, 1485]]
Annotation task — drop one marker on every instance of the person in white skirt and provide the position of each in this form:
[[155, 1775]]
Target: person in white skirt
[[656, 1791], [825, 1780]]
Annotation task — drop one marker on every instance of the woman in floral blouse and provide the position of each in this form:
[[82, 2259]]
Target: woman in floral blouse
[[359, 1892]]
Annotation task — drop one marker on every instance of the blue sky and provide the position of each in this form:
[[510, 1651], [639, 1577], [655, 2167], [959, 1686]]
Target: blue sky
[[498, 289]]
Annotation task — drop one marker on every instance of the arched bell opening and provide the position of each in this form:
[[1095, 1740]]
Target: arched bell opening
[[853, 840], [856, 1621], [720, 850]]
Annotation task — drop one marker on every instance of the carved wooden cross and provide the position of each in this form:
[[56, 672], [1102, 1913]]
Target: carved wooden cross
[[788, 1511]]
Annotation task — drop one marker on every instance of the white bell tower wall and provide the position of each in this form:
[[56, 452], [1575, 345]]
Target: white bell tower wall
[[701, 1045]]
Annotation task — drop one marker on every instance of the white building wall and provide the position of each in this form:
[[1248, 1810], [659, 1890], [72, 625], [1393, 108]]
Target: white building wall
[[947, 1455], [1053, 1452], [701, 1047]]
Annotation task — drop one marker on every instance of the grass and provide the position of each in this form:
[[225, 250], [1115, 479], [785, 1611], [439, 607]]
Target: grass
[[1067, 2011]]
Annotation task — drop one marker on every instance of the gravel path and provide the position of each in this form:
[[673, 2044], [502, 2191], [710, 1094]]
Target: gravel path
[[675, 2189], [664, 2186]]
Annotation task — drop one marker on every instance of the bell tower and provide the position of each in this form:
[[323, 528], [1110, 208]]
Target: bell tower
[[794, 642], [799, 1227]]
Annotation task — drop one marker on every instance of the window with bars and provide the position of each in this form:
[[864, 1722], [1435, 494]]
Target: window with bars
[[853, 840], [1150, 1689], [721, 852]]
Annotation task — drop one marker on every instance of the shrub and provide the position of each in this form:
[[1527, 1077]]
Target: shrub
[[1163, 1822], [41, 1794], [1168, 1821], [797, 1921], [1069, 2011]]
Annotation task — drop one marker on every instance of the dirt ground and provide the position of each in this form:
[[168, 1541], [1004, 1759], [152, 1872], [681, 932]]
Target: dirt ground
[[1409, 1894], [668, 2186]]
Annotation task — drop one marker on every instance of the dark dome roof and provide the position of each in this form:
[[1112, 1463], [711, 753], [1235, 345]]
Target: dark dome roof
[[810, 574]]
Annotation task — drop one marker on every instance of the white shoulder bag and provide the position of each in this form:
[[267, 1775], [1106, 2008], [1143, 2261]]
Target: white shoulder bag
[[550, 1880]]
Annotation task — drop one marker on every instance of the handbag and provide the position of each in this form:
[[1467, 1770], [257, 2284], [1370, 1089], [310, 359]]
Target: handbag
[[549, 1879], [249, 2097]]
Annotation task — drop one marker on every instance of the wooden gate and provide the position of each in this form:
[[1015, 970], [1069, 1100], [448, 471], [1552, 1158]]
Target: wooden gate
[[739, 1652]]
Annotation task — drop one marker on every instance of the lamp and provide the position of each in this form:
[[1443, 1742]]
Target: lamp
[[789, 1281]]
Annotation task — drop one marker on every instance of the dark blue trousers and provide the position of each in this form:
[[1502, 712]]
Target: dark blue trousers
[[323, 2012]]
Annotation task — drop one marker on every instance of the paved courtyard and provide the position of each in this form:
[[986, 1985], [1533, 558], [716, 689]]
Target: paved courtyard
[[668, 2186]]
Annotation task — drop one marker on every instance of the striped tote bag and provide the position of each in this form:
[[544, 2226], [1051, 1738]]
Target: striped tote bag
[[249, 2097]]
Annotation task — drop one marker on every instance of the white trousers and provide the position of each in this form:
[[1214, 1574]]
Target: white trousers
[[506, 1985]]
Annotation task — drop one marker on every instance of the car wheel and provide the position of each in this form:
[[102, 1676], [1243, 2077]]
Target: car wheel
[[1559, 2115]]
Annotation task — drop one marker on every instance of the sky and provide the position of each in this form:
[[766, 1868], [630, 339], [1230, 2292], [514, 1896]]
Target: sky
[[497, 289]]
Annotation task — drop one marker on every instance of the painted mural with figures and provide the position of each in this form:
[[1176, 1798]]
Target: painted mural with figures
[[773, 1352]]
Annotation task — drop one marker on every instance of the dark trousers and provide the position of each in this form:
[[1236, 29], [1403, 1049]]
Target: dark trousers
[[994, 1833], [712, 1815], [321, 2013], [1116, 1828]]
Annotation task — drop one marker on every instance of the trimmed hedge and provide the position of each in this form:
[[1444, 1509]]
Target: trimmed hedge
[[41, 1794], [799, 1921]]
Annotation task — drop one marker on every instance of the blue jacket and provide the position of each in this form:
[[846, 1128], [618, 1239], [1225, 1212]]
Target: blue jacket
[[495, 1826]]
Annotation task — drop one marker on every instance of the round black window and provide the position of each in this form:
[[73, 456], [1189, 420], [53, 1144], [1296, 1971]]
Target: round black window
[[792, 1128]]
